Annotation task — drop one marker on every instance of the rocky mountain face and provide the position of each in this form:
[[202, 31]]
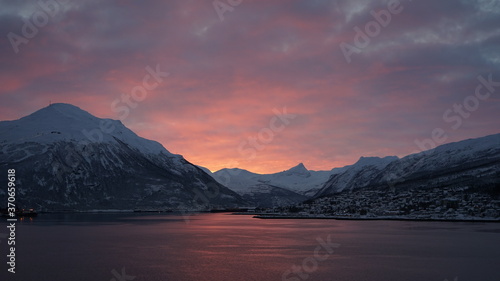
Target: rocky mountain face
[[473, 163], [67, 159]]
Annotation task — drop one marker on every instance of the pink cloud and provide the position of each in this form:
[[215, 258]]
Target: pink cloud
[[227, 77]]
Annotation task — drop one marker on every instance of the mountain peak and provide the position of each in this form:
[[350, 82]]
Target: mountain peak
[[299, 166], [300, 169], [71, 159], [64, 106], [60, 122], [59, 110]]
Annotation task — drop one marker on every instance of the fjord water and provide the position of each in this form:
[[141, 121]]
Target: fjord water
[[238, 247]]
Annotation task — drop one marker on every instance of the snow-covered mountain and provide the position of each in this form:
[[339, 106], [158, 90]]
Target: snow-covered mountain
[[270, 190], [297, 179], [355, 176], [468, 163], [66, 158]]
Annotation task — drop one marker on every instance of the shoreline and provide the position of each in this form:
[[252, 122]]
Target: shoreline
[[274, 215], [375, 218]]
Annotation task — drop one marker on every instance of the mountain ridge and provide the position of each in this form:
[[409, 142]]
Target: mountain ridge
[[67, 158], [273, 190], [460, 159]]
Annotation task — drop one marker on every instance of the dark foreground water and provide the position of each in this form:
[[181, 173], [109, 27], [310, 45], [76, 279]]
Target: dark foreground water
[[111, 247]]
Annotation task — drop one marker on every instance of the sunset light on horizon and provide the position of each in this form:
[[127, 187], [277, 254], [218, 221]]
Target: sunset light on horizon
[[250, 140], [262, 85]]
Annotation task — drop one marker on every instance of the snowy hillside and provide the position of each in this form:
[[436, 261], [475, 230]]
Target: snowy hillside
[[65, 158], [65, 122], [468, 163], [357, 175], [297, 179], [272, 190]]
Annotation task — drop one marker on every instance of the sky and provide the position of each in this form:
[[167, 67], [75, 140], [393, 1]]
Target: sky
[[262, 85]]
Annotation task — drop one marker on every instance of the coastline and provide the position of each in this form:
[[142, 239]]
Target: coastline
[[388, 218]]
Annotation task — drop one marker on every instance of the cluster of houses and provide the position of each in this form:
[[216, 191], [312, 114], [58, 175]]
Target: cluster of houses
[[435, 203]]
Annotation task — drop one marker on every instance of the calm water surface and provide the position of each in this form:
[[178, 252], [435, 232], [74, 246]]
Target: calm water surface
[[74, 247]]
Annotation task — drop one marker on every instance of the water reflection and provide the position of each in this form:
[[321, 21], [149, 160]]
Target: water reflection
[[238, 247]]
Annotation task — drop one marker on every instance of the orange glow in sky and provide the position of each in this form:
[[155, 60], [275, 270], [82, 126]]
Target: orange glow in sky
[[227, 79]]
